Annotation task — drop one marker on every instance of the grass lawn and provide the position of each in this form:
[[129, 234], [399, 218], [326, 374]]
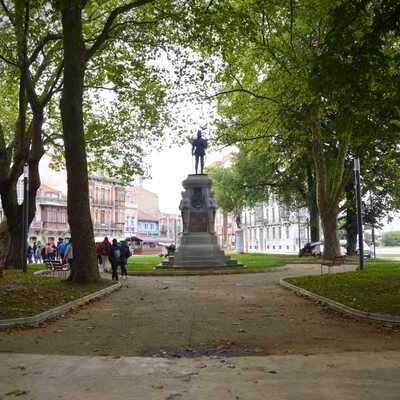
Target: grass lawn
[[147, 263], [375, 289], [25, 294]]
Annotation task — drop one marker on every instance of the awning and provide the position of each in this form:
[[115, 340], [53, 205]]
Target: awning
[[162, 241]]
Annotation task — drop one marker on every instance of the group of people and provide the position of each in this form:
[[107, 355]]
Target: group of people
[[38, 253], [114, 254], [111, 255]]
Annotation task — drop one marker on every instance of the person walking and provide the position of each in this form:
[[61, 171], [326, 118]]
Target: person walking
[[61, 249], [38, 253], [49, 252], [29, 254], [105, 252], [58, 254], [115, 259], [125, 254], [69, 255]]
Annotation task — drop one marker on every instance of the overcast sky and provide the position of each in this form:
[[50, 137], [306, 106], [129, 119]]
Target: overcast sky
[[169, 168]]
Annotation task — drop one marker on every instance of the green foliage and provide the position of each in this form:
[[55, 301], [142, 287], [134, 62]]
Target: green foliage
[[228, 189], [391, 238]]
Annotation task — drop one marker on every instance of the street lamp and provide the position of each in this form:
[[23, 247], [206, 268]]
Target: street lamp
[[25, 218], [373, 227], [359, 212]]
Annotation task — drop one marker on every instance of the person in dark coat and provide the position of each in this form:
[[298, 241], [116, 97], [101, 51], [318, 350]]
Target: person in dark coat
[[115, 258], [125, 254]]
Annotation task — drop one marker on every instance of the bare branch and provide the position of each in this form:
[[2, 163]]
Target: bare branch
[[104, 35], [8, 61], [257, 96], [42, 43], [8, 12]]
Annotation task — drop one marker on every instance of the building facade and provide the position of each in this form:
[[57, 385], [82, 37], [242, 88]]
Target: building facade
[[148, 224], [270, 227], [131, 213], [107, 205], [225, 229], [170, 226]]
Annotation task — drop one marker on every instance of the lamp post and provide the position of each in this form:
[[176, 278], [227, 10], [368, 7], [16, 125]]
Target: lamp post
[[359, 213], [373, 227], [25, 218], [298, 222]]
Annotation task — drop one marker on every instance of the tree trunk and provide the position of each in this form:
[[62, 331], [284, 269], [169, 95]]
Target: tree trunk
[[13, 213], [85, 261], [329, 184], [331, 243], [313, 206], [351, 220]]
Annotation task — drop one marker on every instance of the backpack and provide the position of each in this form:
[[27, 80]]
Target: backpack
[[104, 248], [117, 253]]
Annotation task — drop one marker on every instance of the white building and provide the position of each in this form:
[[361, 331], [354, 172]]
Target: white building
[[131, 213], [271, 228]]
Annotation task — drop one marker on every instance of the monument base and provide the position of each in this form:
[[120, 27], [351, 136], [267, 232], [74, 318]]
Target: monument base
[[199, 250]]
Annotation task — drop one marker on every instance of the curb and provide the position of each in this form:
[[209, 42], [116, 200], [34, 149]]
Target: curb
[[206, 273], [392, 319], [35, 320]]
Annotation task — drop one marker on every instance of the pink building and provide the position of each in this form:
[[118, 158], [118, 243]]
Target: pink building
[[107, 204]]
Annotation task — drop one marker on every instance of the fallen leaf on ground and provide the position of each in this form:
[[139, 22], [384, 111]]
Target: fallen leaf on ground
[[157, 386], [17, 392]]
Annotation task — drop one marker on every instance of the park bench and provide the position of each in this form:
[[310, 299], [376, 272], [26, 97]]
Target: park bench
[[336, 262], [57, 267]]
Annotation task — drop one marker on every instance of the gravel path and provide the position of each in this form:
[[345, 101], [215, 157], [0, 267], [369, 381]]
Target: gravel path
[[227, 315]]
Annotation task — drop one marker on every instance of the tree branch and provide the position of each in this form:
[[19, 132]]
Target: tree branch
[[8, 12], [42, 43], [8, 61], [257, 96], [103, 36]]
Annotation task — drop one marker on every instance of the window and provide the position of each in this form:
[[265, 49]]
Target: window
[[287, 232], [273, 214], [273, 233], [280, 232], [102, 217], [146, 226], [267, 232]]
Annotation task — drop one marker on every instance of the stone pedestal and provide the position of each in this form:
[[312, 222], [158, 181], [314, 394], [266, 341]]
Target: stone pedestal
[[199, 245]]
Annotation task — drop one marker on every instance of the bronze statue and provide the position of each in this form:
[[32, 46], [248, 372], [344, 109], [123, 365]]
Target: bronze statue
[[199, 146]]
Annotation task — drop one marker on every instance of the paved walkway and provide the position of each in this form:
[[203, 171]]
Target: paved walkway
[[221, 317], [343, 376]]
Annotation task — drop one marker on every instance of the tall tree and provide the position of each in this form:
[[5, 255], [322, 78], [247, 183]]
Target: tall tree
[[22, 59], [322, 65]]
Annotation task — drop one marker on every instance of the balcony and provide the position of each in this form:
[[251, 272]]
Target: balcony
[[103, 203], [36, 225], [109, 228], [55, 226]]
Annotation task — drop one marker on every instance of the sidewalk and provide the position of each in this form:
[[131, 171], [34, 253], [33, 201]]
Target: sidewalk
[[343, 376]]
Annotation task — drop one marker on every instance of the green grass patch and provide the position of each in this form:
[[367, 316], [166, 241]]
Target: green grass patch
[[260, 261], [147, 263], [25, 294], [36, 267], [140, 263], [374, 289]]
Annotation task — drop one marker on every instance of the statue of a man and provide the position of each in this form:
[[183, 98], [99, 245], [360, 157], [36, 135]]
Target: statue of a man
[[199, 146]]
